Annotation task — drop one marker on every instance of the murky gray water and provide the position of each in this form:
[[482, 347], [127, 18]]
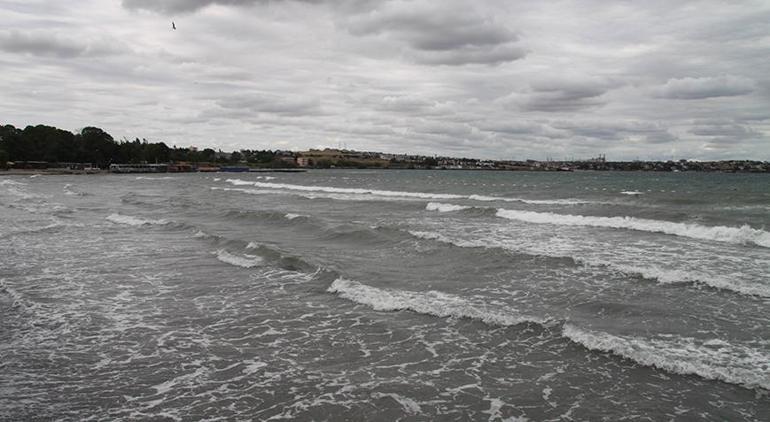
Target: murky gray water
[[385, 295]]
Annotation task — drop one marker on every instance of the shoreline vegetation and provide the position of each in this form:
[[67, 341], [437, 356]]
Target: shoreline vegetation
[[48, 150]]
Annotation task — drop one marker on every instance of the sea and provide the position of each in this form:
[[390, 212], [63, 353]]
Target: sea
[[385, 295]]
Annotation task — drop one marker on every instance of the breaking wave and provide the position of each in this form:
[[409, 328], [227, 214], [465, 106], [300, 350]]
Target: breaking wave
[[398, 194], [133, 221], [710, 359], [437, 206], [715, 359], [738, 235], [661, 275], [244, 261], [431, 303]]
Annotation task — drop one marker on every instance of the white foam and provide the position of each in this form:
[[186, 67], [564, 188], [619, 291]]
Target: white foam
[[357, 191], [398, 194], [682, 355], [738, 235], [631, 192], [245, 261], [248, 191], [291, 216], [201, 235], [133, 221], [430, 303], [410, 406], [673, 276], [437, 206], [253, 367], [485, 198], [646, 270], [153, 178]]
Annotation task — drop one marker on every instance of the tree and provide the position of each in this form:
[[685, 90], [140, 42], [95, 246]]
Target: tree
[[3, 159]]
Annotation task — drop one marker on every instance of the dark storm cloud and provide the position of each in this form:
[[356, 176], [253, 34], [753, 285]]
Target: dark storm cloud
[[39, 43], [705, 87]]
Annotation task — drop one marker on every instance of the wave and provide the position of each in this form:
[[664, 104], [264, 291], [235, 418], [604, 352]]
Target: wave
[[655, 273], [133, 221], [266, 215], [437, 206], [17, 299], [431, 303], [357, 191], [68, 190], [738, 235], [17, 189], [244, 261], [399, 194], [715, 360], [673, 276], [484, 198], [632, 192], [710, 359], [53, 227]]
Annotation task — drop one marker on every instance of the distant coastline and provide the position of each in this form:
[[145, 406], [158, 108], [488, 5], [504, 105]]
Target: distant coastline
[[46, 149]]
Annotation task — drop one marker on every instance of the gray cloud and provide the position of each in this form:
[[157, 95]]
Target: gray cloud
[[705, 87], [292, 105], [565, 94], [436, 34], [487, 79], [40, 43], [181, 6], [723, 130]]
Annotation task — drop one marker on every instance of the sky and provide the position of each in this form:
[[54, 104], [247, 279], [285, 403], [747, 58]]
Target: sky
[[490, 79]]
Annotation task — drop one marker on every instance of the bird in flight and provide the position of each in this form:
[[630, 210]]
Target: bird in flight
[[173, 25]]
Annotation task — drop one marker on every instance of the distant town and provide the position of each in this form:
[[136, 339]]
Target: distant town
[[48, 149]]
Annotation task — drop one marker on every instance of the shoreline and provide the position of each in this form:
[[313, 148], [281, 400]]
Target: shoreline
[[67, 172]]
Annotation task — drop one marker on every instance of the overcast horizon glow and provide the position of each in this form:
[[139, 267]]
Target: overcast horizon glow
[[484, 79]]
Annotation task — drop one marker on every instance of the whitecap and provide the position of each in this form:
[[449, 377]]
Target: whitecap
[[133, 221], [430, 303], [437, 206], [645, 270], [738, 235], [245, 261], [734, 364]]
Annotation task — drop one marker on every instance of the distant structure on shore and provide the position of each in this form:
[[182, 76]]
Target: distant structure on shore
[[46, 148]]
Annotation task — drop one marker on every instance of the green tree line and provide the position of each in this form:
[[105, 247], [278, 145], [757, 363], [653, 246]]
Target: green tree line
[[94, 145]]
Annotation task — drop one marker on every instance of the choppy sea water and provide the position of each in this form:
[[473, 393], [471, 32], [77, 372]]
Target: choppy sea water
[[385, 295]]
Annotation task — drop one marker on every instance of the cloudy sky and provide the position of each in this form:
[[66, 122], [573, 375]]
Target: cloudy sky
[[489, 79]]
